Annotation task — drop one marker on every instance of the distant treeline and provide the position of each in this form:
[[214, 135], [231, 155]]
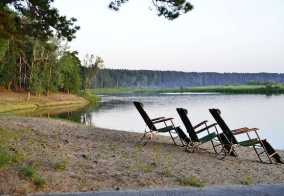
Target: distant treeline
[[109, 78]]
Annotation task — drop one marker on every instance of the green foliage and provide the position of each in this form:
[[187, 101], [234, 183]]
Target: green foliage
[[143, 183], [6, 158], [89, 96], [102, 91], [270, 83], [91, 66], [171, 9], [31, 174], [28, 172], [39, 11], [4, 46], [192, 181], [39, 182], [242, 89], [8, 62], [70, 73], [29, 55]]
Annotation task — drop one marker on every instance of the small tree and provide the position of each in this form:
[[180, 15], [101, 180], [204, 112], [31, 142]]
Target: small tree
[[91, 66], [70, 72]]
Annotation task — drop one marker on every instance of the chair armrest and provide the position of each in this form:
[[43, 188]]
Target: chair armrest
[[205, 128], [196, 126], [163, 120], [243, 130], [155, 119]]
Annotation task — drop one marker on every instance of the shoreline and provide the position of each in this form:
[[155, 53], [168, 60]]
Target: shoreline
[[72, 157], [10, 101]]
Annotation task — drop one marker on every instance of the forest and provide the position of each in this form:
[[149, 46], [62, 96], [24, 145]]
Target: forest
[[112, 78], [34, 52]]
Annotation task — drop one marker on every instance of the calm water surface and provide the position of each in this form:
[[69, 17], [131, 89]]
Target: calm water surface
[[118, 112]]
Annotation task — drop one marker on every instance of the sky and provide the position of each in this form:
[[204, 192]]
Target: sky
[[244, 36]]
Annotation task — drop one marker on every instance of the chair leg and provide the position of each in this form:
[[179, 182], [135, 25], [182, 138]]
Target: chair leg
[[176, 137], [227, 145], [192, 146], [145, 138], [222, 154], [261, 146], [271, 152]]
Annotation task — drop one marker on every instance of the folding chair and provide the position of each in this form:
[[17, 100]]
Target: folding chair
[[261, 147], [193, 133], [165, 125]]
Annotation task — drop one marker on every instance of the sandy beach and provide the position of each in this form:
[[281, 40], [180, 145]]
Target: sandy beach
[[71, 157]]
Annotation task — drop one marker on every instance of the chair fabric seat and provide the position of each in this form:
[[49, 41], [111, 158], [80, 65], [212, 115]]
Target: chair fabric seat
[[166, 129], [249, 142], [208, 137]]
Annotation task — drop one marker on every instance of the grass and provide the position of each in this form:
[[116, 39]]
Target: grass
[[39, 182], [234, 89], [247, 180], [62, 164], [9, 153], [143, 183], [102, 91], [191, 181], [31, 174], [28, 172], [168, 172], [91, 97], [17, 147], [7, 158], [10, 101], [145, 167], [14, 155]]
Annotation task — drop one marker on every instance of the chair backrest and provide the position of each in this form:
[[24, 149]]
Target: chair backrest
[[191, 132], [182, 135], [216, 113], [146, 118]]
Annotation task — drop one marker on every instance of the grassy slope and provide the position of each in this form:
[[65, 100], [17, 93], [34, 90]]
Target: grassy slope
[[10, 101]]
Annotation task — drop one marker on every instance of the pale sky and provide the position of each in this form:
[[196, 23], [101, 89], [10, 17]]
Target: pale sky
[[216, 36]]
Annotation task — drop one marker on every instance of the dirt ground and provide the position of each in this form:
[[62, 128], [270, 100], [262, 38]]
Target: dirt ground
[[71, 157]]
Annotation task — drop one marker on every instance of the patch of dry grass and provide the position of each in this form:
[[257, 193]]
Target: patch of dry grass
[[10, 101]]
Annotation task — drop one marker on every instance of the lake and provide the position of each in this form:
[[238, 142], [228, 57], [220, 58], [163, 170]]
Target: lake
[[118, 112]]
